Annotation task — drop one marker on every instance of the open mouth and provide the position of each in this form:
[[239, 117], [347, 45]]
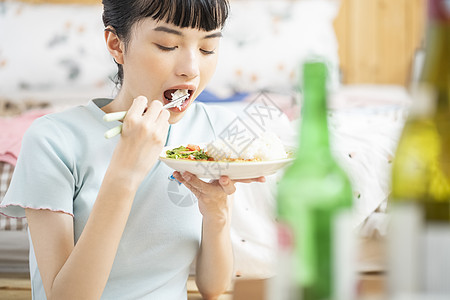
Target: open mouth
[[173, 94]]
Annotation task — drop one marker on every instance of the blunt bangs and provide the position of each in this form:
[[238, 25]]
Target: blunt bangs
[[204, 15]]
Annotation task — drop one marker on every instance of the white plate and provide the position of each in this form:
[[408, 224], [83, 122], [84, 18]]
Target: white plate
[[215, 169]]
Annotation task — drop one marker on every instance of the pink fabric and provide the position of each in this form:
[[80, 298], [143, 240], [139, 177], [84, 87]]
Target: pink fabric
[[12, 131]]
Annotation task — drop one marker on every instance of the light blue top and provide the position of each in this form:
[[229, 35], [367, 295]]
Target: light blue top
[[61, 166]]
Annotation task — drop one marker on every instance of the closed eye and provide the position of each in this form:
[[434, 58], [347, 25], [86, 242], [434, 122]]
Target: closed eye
[[207, 52], [164, 48]]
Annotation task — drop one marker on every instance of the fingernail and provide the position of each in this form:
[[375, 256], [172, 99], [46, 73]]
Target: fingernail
[[173, 178]]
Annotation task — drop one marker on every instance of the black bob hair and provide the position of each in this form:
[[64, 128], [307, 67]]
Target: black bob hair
[[121, 15]]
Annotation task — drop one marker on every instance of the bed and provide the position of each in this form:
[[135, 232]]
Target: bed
[[255, 68]]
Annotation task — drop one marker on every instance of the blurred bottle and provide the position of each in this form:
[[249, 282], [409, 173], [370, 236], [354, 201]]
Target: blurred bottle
[[311, 193], [283, 285], [419, 244]]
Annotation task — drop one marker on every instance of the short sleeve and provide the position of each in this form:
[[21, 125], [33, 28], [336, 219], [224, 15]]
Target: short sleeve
[[43, 177]]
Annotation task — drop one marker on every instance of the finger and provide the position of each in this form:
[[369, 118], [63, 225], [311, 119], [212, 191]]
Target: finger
[[163, 130], [153, 110], [196, 183], [182, 180], [163, 116], [162, 121], [137, 107], [250, 180], [227, 185], [161, 124]]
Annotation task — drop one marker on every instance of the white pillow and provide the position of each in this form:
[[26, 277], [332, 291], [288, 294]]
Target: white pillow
[[265, 43], [53, 48]]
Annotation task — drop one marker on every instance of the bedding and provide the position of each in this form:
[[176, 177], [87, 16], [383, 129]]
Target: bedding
[[365, 124], [8, 224], [15, 117], [13, 232]]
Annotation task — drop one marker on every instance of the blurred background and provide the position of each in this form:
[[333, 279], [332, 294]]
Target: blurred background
[[52, 55], [57, 46]]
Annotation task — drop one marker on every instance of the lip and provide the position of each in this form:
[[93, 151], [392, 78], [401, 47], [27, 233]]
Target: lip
[[190, 87]]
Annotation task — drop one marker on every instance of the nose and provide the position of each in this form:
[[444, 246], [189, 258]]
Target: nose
[[188, 65]]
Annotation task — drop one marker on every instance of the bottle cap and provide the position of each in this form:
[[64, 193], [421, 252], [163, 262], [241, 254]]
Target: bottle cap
[[439, 10]]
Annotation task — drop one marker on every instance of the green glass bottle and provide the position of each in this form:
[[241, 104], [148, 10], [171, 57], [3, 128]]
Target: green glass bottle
[[313, 189]]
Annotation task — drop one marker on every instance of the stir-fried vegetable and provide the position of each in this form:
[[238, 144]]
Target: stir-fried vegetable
[[192, 152]]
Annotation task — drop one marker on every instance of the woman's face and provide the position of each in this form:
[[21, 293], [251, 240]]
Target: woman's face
[[161, 58]]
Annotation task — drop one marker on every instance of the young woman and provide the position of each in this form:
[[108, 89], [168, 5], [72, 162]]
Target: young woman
[[106, 218]]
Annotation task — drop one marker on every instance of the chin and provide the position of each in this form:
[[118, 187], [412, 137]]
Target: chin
[[176, 117]]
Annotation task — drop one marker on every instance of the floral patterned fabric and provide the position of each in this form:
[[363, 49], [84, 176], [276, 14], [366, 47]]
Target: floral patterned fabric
[[54, 51], [265, 43]]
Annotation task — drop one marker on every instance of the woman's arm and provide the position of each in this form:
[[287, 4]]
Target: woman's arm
[[81, 271], [215, 258]]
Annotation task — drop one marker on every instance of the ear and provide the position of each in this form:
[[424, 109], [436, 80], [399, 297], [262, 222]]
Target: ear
[[114, 44]]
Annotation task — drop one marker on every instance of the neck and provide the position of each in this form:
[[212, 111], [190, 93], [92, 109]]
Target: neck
[[121, 102]]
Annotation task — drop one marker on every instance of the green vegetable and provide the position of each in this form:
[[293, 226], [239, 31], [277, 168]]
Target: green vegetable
[[185, 153]]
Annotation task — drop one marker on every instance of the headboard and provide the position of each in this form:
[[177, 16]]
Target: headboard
[[378, 39]]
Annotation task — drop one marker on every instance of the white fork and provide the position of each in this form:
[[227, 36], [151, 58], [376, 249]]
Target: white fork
[[120, 115]]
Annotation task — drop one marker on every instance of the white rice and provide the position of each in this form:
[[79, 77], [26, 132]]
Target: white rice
[[179, 93], [267, 147]]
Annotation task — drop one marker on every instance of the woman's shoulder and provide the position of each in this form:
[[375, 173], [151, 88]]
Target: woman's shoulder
[[56, 124]]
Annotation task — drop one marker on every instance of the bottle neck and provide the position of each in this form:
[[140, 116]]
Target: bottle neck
[[436, 67], [437, 47], [314, 137]]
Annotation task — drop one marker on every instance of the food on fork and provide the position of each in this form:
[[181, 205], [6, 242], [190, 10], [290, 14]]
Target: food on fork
[[183, 93]]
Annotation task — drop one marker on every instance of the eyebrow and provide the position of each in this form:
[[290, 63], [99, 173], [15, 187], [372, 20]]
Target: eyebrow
[[213, 35], [179, 33]]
